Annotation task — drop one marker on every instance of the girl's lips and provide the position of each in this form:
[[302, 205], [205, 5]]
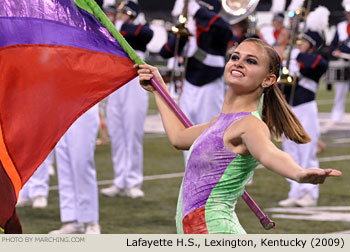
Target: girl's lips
[[237, 73]]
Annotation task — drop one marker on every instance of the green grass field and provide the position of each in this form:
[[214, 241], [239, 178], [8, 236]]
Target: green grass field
[[154, 214]]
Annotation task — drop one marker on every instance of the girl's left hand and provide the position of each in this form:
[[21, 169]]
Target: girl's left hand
[[316, 175], [146, 73]]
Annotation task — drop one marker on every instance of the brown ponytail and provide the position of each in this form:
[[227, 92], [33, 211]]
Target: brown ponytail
[[276, 113], [280, 119]]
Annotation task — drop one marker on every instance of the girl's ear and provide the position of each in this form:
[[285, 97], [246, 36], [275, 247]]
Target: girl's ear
[[269, 80]]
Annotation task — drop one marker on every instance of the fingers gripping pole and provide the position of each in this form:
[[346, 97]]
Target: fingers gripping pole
[[265, 221]]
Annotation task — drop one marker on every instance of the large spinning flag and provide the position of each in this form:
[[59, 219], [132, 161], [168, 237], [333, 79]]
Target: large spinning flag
[[57, 59]]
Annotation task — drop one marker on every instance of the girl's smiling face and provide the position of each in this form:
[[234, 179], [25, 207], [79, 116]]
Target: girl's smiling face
[[247, 68]]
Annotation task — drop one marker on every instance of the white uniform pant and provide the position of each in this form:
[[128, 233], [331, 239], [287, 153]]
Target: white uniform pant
[[126, 113], [202, 104], [338, 110], [38, 183], [305, 154], [50, 158], [76, 170]]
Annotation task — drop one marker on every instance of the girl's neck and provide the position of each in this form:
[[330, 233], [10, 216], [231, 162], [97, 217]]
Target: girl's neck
[[234, 103]]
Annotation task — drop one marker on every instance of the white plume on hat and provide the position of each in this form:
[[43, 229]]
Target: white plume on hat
[[295, 5], [177, 9], [108, 2], [317, 20], [346, 5], [278, 6]]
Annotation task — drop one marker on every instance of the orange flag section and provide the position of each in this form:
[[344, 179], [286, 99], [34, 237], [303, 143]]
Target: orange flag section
[[8, 198], [10, 168], [37, 106]]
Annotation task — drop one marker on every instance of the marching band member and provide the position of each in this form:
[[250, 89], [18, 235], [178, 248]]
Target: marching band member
[[282, 43], [35, 192], [76, 172], [241, 32], [270, 34], [126, 112], [339, 45], [311, 67], [204, 87]]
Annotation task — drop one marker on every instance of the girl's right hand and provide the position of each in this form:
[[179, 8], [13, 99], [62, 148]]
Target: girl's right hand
[[316, 175], [146, 73]]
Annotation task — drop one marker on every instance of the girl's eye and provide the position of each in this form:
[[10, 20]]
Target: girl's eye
[[252, 61], [234, 57]]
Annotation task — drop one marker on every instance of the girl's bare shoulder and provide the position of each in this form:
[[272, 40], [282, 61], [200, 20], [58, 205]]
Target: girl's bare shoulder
[[251, 123]]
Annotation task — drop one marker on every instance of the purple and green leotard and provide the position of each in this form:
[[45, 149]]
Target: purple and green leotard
[[214, 179]]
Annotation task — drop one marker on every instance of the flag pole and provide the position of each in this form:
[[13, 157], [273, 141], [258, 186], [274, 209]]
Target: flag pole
[[92, 7]]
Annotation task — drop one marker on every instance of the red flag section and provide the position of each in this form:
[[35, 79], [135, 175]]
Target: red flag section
[[43, 90]]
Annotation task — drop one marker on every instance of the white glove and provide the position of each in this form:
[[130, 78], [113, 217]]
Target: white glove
[[118, 24], [294, 67], [193, 7]]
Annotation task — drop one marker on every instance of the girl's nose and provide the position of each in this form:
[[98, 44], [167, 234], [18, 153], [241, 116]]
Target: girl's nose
[[238, 64]]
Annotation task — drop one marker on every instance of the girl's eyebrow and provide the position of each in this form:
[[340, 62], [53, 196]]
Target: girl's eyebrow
[[248, 55]]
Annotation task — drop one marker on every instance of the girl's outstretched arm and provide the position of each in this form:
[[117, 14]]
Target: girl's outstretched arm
[[179, 136], [256, 138]]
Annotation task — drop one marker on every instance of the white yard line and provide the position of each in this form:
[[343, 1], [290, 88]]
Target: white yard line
[[322, 213], [335, 158], [180, 174], [342, 232], [327, 102], [341, 140]]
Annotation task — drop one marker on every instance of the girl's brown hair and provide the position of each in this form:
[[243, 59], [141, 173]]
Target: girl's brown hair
[[276, 113]]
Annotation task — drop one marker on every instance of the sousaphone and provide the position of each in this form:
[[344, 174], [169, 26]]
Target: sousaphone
[[234, 11]]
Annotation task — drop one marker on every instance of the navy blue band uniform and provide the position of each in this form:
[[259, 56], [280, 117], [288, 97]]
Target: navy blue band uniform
[[210, 27], [203, 89], [138, 36], [339, 72], [312, 67]]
